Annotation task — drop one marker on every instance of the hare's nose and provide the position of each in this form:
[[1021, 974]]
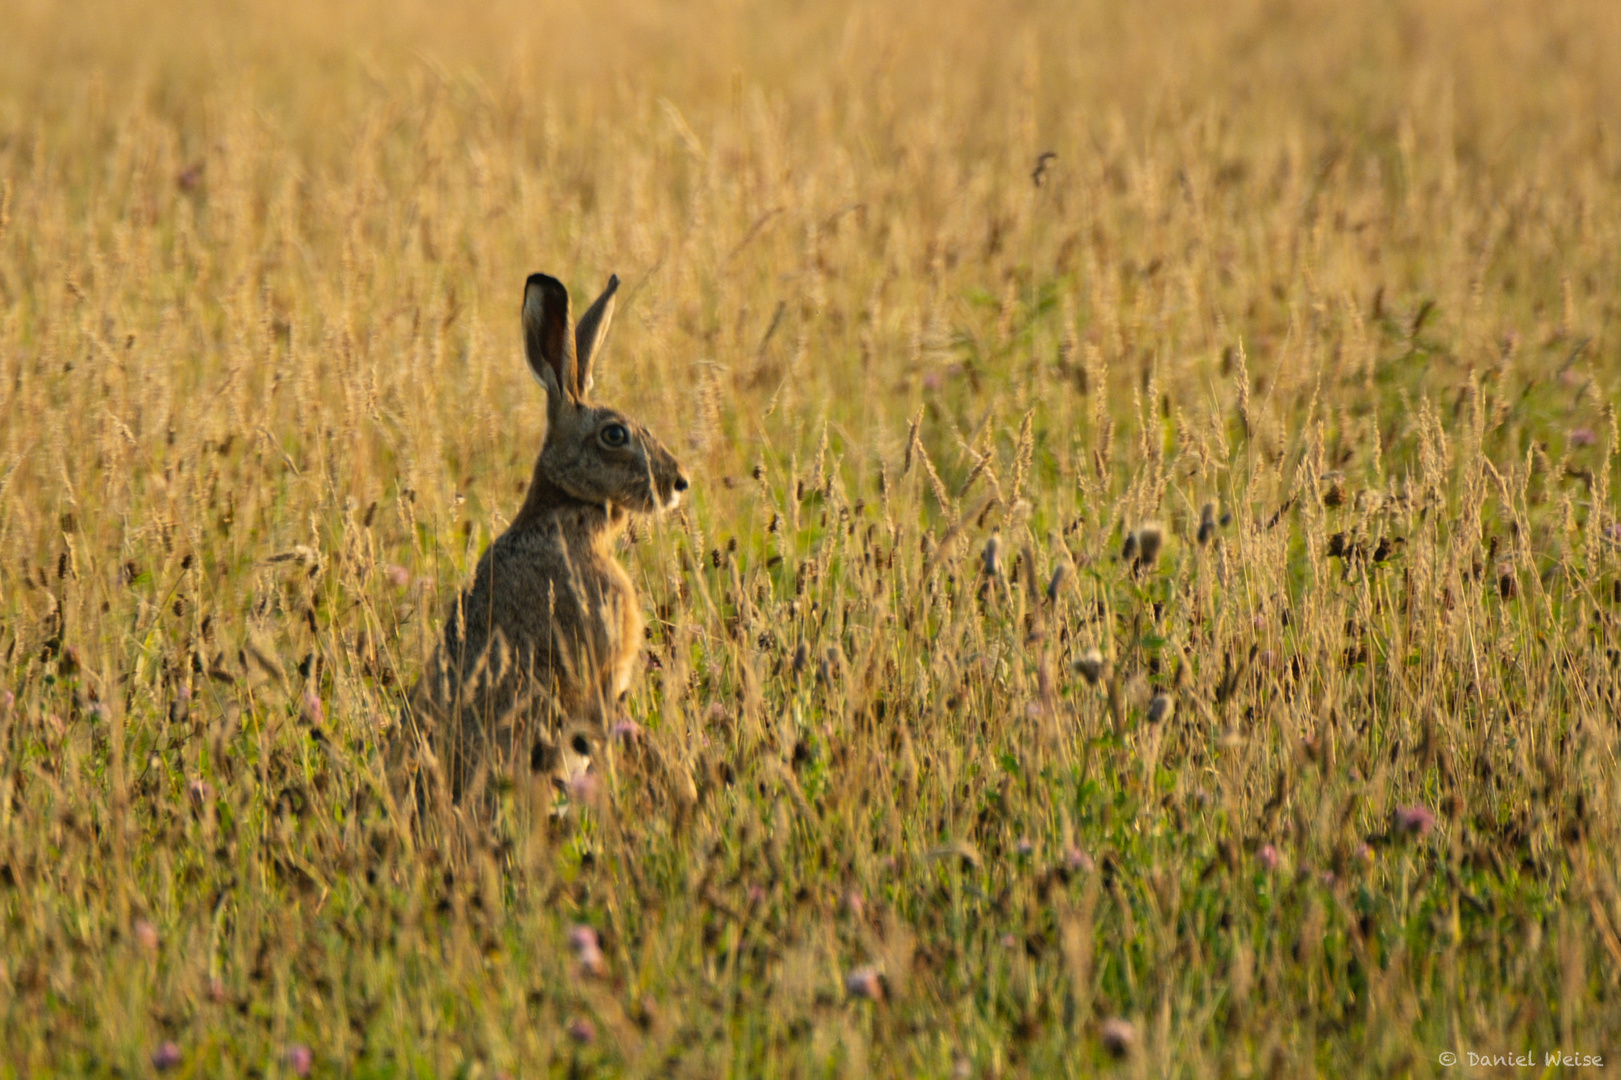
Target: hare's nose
[[681, 482]]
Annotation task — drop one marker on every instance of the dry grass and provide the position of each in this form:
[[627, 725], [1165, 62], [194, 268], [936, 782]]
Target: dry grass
[[1337, 791]]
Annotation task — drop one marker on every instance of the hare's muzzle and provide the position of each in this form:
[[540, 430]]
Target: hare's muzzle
[[671, 496]]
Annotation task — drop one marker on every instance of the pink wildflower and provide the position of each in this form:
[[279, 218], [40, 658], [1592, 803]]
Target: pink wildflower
[[587, 950], [865, 983], [300, 1058], [1118, 1036], [1414, 820]]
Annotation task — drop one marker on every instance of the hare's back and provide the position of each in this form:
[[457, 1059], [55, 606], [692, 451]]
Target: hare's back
[[522, 590]]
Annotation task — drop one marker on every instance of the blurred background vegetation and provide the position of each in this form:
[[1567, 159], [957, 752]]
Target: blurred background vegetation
[[949, 309]]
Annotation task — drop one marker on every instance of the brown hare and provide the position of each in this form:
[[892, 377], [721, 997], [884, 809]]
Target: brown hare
[[538, 652]]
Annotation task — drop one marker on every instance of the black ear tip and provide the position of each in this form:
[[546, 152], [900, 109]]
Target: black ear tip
[[545, 288]]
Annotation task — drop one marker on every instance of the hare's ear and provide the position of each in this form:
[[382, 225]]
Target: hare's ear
[[546, 340], [592, 331]]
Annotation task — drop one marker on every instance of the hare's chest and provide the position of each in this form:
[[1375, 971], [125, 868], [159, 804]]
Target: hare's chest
[[620, 624]]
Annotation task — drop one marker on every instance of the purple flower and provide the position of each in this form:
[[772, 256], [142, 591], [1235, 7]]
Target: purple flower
[[166, 1056], [1076, 859], [626, 732], [587, 950], [584, 788], [398, 576], [1267, 856], [313, 709], [146, 935], [582, 1030], [865, 983], [1414, 820], [1118, 1036], [1583, 437], [299, 1058]]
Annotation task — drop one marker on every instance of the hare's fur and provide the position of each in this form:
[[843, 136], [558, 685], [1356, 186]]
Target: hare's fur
[[538, 652]]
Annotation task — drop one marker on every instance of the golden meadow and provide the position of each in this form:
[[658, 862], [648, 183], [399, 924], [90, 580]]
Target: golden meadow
[[1267, 349]]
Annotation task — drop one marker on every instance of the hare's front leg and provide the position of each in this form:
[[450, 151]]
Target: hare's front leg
[[623, 619]]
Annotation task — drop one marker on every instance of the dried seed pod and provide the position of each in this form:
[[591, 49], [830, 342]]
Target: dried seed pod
[[1508, 583], [1207, 523], [1128, 551], [992, 556], [1161, 708], [867, 983], [1057, 581], [1118, 1037], [1090, 665], [1333, 490], [1149, 540]]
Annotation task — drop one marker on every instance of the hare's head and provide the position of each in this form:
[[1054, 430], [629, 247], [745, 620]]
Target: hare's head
[[592, 453]]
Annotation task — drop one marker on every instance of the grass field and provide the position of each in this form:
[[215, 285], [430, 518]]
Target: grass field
[[1150, 602]]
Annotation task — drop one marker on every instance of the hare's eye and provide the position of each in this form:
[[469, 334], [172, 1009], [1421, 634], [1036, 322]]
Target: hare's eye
[[615, 435]]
